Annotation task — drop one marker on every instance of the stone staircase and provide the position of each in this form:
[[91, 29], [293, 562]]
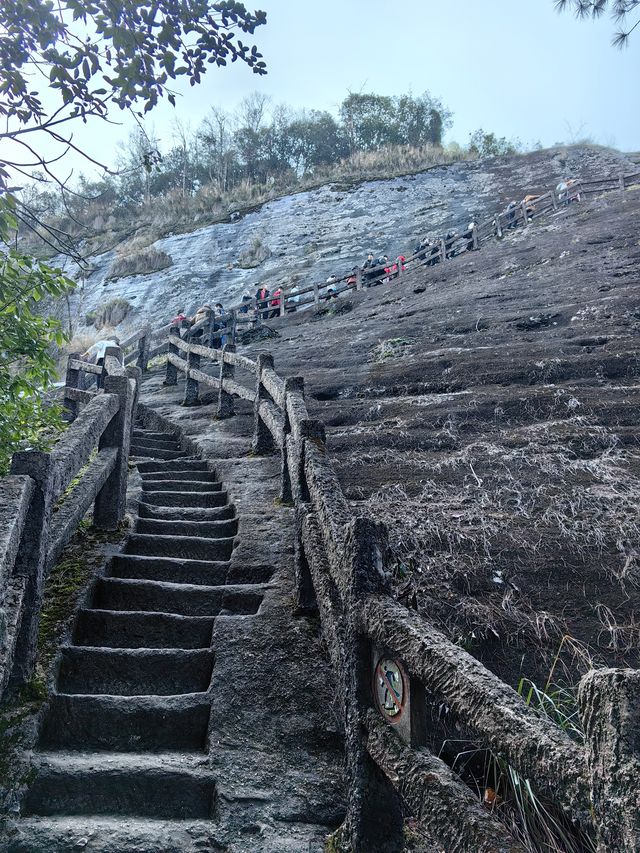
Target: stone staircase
[[122, 760]]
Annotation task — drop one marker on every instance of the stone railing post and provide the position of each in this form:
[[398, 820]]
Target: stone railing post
[[443, 251], [144, 345], [136, 374], [610, 707], [498, 226], [171, 377], [475, 240], [316, 294], [621, 182], [233, 331], [72, 380], [400, 268], [226, 405], [262, 438], [32, 558], [374, 813], [110, 503], [191, 385], [554, 199], [358, 279], [294, 384], [525, 216]]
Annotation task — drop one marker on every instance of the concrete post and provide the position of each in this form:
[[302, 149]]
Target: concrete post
[[316, 294], [191, 385], [32, 557], [523, 208], [294, 384], [262, 438], [374, 813], [136, 374], [498, 226], [400, 268], [110, 504], [554, 199], [358, 279], [443, 251], [72, 380], [621, 182], [610, 707], [226, 405], [172, 371], [144, 345], [475, 240]]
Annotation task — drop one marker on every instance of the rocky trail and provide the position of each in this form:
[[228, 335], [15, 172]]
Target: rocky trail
[[161, 734]]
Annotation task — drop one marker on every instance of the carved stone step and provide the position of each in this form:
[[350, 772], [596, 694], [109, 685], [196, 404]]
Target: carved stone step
[[134, 672], [186, 464], [213, 529], [179, 485], [198, 476], [172, 786], [183, 599], [189, 513], [126, 723], [205, 499], [190, 547], [156, 453], [136, 629]]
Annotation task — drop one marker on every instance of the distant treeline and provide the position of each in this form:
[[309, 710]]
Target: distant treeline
[[231, 155]]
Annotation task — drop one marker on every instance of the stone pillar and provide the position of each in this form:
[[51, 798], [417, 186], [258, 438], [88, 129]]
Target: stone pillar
[[144, 345], [292, 385], [554, 199], [443, 251], [72, 380], [621, 182], [226, 405], [136, 374], [191, 385], [523, 208], [374, 812], [610, 707], [172, 371], [32, 558], [110, 504], [358, 279], [475, 240], [400, 269], [262, 438]]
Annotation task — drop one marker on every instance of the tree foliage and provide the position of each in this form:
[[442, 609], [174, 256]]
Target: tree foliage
[[27, 365], [489, 145], [91, 57], [619, 10], [96, 55]]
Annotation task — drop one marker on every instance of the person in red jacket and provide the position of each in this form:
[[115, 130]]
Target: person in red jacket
[[262, 295], [275, 302]]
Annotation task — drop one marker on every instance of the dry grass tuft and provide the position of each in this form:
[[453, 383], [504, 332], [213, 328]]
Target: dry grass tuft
[[140, 262]]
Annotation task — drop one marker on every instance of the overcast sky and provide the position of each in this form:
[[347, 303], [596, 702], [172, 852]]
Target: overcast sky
[[514, 67]]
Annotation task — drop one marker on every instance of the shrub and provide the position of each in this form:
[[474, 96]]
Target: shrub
[[140, 262], [112, 313]]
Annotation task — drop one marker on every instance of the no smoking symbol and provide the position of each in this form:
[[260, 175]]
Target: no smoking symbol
[[390, 689]]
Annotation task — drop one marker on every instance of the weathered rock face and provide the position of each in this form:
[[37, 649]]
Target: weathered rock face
[[308, 236], [487, 409]]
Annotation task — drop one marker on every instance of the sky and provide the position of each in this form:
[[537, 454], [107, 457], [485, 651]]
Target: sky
[[514, 67]]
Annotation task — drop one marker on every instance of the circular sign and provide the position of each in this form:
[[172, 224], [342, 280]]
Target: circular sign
[[390, 689]]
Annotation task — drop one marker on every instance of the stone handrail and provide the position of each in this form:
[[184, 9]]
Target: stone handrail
[[341, 573], [47, 494]]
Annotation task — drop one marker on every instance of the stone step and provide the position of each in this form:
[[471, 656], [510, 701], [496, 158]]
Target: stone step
[[188, 513], [138, 630], [171, 786], [156, 453], [197, 476], [150, 433], [176, 570], [157, 443], [206, 499], [134, 672], [189, 463], [190, 547], [165, 527], [126, 723], [179, 485], [104, 834], [181, 599]]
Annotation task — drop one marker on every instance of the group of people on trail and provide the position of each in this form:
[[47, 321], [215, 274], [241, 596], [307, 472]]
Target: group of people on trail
[[205, 312], [267, 303]]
